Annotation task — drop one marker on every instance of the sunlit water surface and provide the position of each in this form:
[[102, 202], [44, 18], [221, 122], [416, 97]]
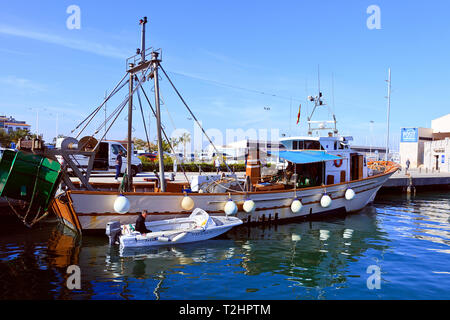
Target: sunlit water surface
[[406, 240]]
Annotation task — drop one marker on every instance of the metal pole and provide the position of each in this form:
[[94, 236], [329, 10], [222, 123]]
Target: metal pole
[[106, 94], [130, 127], [158, 121], [143, 22], [388, 112], [371, 136]]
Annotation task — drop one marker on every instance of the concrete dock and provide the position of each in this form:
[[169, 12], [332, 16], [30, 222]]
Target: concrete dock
[[417, 179]]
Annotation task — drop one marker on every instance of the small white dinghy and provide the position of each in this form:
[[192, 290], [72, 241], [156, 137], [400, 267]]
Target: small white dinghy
[[197, 227]]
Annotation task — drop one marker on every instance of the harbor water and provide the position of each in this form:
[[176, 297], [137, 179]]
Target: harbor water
[[397, 248]]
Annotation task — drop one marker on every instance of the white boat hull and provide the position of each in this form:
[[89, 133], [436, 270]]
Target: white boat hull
[[94, 209], [193, 236], [199, 226]]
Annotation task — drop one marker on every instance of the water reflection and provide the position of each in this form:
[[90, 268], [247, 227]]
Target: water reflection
[[307, 260]]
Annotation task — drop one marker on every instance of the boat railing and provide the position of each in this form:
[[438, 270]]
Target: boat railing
[[137, 58]]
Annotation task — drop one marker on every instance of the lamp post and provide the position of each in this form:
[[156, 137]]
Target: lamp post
[[371, 136]]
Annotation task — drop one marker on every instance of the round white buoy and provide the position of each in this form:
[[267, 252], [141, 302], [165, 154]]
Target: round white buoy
[[349, 194], [230, 207], [249, 206], [325, 201], [121, 204], [187, 203], [296, 206]]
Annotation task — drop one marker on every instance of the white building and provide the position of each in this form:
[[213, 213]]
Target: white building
[[427, 147], [10, 124], [412, 141], [437, 152]]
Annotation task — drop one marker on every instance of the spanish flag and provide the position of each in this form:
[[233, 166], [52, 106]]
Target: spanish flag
[[298, 115]]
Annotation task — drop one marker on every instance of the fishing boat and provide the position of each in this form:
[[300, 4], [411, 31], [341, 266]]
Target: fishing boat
[[322, 174], [198, 226]]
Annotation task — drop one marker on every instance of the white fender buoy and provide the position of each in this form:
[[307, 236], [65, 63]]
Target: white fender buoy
[[163, 239], [296, 206], [187, 203], [230, 207], [249, 205], [121, 204], [179, 236], [349, 194], [325, 201]]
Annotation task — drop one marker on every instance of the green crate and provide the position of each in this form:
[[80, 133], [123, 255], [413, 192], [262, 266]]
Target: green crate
[[24, 174]]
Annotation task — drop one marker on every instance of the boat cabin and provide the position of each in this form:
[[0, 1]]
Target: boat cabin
[[312, 161]]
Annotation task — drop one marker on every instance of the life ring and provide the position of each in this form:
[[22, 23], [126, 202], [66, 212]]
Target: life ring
[[338, 163]]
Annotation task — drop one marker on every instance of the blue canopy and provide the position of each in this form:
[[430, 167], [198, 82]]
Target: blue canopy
[[307, 156]]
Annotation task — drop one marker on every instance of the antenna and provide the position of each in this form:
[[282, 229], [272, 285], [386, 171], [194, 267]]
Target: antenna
[[143, 22], [322, 125], [318, 79], [388, 112]]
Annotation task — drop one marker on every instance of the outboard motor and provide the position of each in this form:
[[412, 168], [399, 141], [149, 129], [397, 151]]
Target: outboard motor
[[113, 231]]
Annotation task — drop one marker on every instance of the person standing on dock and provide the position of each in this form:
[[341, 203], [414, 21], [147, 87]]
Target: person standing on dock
[[217, 164], [118, 164], [407, 165]]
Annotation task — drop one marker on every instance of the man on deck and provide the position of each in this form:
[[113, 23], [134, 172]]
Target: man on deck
[[140, 223]]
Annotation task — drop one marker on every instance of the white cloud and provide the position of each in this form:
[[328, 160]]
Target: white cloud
[[77, 44], [22, 83]]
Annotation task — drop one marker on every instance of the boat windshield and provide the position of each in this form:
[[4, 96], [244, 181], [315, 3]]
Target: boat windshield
[[306, 145]]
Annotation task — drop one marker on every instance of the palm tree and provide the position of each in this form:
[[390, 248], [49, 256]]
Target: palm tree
[[185, 138]]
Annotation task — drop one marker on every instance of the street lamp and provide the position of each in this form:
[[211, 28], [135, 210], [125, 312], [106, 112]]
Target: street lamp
[[371, 136]]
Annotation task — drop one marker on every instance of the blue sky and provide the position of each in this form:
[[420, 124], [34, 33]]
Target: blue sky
[[222, 55]]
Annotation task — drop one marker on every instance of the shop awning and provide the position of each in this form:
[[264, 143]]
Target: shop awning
[[307, 156]]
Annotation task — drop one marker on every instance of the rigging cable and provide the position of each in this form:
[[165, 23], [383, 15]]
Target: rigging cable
[[144, 73], [165, 135], [195, 118], [94, 113]]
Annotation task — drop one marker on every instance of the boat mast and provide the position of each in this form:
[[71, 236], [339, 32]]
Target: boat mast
[[130, 128], [388, 112], [155, 66], [132, 76]]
